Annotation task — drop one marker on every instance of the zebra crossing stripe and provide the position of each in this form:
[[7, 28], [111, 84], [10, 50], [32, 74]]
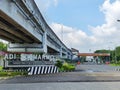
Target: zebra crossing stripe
[[43, 69], [29, 71], [57, 70], [52, 69], [32, 69], [49, 69], [46, 70], [35, 70], [39, 70]]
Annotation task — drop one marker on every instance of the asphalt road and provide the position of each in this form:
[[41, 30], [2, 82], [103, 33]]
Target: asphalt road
[[98, 68], [83, 73], [85, 77], [65, 77], [63, 86]]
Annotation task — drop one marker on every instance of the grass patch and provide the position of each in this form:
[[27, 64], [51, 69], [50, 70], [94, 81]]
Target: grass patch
[[9, 73], [115, 64], [1, 68]]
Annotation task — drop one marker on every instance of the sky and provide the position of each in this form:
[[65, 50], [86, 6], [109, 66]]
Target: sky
[[86, 25]]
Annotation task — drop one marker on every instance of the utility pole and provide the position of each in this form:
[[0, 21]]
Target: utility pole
[[62, 32]]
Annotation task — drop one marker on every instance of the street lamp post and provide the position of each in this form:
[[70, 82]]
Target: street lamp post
[[115, 56], [118, 20], [115, 49]]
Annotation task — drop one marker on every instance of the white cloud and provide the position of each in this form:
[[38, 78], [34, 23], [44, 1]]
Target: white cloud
[[101, 35], [109, 32], [73, 37], [43, 5], [55, 2]]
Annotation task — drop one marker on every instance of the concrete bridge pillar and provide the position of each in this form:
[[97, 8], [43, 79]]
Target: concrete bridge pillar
[[45, 42], [61, 52]]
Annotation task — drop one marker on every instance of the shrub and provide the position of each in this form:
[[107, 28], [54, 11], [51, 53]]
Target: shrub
[[68, 67], [58, 64], [64, 66], [61, 69]]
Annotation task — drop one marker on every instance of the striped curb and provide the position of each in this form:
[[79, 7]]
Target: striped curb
[[42, 69]]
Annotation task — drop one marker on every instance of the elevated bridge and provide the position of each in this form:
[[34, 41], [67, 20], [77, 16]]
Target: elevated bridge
[[23, 26]]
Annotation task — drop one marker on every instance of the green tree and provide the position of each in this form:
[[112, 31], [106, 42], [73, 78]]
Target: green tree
[[104, 58], [117, 53], [58, 64], [3, 46], [102, 51]]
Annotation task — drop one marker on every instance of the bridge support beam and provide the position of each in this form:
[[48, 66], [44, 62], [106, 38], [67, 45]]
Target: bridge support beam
[[63, 54], [25, 47]]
